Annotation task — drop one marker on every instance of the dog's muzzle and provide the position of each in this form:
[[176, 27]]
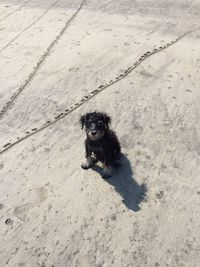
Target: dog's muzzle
[[93, 133]]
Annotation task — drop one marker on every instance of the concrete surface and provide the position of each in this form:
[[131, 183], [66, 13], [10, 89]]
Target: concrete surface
[[52, 213]]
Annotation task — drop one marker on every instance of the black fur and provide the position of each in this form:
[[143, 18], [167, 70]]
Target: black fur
[[95, 116], [101, 143]]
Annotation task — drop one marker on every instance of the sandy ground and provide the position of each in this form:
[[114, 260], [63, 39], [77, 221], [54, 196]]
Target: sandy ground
[[52, 213]]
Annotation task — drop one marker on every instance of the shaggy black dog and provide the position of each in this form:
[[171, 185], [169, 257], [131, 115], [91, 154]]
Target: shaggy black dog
[[101, 143]]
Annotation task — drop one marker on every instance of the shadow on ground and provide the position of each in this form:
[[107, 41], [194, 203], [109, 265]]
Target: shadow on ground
[[125, 184]]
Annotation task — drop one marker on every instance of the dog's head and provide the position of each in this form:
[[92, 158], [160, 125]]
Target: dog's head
[[96, 124]]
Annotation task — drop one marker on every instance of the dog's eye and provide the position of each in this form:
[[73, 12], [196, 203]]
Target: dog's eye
[[88, 122], [100, 122]]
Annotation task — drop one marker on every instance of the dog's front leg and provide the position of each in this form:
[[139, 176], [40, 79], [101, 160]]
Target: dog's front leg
[[89, 162], [90, 159]]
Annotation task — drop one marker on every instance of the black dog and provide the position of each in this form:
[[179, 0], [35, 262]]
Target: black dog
[[101, 143]]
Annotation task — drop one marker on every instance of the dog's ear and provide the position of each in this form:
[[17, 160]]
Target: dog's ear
[[82, 121], [106, 119]]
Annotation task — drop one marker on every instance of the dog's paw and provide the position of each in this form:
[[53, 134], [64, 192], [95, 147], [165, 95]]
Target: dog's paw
[[106, 176], [85, 166], [107, 172]]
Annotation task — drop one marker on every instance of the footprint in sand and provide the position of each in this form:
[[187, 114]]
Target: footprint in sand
[[22, 210]]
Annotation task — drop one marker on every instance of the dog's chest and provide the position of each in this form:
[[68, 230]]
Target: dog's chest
[[97, 149]]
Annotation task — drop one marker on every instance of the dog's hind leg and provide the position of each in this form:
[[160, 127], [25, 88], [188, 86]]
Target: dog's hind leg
[[117, 163], [107, 172]]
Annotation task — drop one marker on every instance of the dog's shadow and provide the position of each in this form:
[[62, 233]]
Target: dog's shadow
[[124, 183]]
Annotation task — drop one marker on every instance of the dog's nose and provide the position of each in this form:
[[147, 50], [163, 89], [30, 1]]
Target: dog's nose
[[93, 132]]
